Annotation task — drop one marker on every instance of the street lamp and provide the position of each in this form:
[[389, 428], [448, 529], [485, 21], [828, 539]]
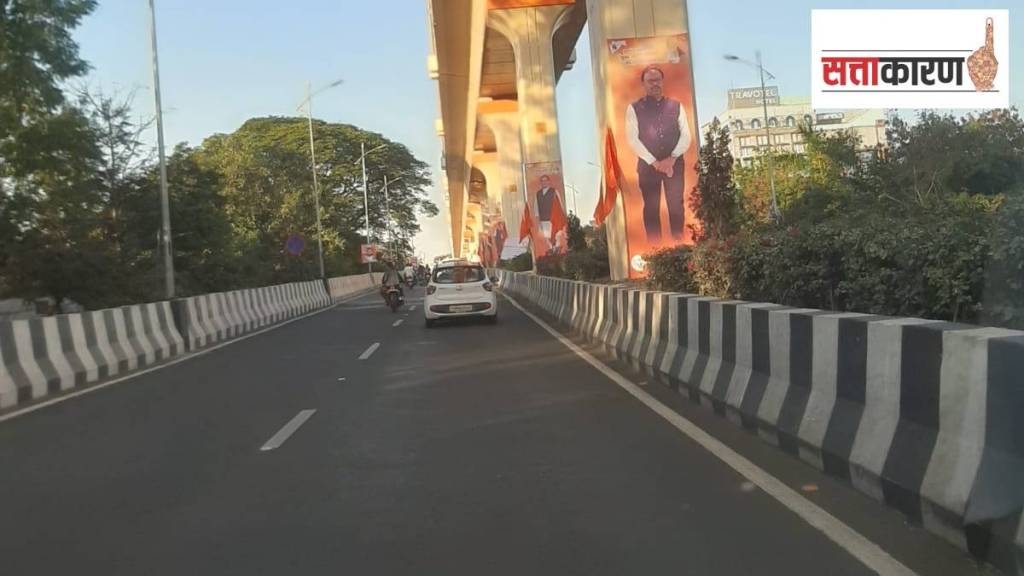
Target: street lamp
[[165, 210], [366, 201], [308, 103], [574, 193], [387, 211], [767, 128]]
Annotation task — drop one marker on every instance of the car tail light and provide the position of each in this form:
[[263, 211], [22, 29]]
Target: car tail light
[[488, 286], [431, 289]]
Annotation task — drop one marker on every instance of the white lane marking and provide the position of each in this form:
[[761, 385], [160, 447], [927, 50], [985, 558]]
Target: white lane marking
[[411, 308], [864, 550], [177, 360], [341, 379], [398, 322], [285, 433], [369, 351]]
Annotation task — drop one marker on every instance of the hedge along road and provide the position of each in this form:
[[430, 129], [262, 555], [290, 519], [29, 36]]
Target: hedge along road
[[463, 449]]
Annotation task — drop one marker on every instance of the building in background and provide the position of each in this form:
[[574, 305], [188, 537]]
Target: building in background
[[745, 119]]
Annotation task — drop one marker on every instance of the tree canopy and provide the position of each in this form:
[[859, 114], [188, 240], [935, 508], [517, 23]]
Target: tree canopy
[[79, 192]]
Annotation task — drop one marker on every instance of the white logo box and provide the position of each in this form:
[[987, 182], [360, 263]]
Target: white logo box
[[907, 34]]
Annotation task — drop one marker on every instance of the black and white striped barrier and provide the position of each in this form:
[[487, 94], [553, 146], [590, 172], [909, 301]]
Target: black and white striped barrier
[[926, 416], [40, 357], [44, 356], [212, 318]]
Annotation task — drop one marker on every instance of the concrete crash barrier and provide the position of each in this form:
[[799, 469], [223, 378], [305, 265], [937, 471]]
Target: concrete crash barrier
[[41, 357], [210, 318], [345, 286], [923, 415]]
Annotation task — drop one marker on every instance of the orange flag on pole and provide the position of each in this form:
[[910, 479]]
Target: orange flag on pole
[[526, 225], [558, 219], [612, 178]]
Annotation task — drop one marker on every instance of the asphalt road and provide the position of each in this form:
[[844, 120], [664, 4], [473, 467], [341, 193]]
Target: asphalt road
[[464, 449]]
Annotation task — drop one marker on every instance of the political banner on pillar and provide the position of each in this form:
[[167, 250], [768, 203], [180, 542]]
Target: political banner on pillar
[[652, 115], [545, 193]]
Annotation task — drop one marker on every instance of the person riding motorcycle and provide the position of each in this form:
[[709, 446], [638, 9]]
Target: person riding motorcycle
[[391, 278]]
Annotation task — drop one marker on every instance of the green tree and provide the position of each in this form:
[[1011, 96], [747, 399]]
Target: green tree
[[37, 54], [824, 179], [264, 169], [577, 233], [43, 151], [206, 255], [940, 156], [52, 248], [714, 202]]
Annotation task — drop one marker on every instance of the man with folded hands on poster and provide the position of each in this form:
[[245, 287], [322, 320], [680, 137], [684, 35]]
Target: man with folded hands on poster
[[657, 131], [546, 197]]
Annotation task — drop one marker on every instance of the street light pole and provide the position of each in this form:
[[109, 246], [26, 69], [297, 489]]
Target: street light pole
[[768, 138], [316, 188], [387, 217], [165, 208], [574, 192], [366, 195], [767, 129], [308, 103], [366, 201]]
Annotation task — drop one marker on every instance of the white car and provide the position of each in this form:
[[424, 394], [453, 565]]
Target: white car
[[458, 290]]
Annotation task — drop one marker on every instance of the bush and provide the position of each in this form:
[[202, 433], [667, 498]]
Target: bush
[[669, 269], [962, 263], [587, 258], [1003, 297], [551, 265], [521, 263]]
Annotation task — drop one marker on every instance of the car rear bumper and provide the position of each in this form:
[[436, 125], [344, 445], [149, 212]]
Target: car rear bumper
[[438, 310]]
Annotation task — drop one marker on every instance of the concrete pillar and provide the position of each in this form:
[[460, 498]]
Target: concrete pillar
[[607, 19], [487, 164], [530, 30], [502, 117]]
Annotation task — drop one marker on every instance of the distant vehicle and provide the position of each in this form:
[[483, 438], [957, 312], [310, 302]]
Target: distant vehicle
[[393, 297], [459, 290]]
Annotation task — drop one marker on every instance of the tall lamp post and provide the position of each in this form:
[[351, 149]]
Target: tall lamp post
[[387, 211], [165, 209], [366, 195], [574, 193], [767, 128], [308, 103]]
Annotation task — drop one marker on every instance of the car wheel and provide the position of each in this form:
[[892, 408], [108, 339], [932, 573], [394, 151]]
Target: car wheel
[[428, 323]]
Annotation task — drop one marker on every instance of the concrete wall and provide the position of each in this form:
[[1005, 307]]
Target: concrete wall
[[920, 414]]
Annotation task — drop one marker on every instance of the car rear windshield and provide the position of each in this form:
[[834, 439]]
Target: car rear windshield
[[458, 275]]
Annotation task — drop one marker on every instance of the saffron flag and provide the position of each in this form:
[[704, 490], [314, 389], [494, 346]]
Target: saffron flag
[[526, 225], [558, 219], [612, 179]]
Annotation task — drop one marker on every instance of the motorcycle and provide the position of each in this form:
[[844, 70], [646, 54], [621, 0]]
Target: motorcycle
[[393, 298], [410, 282]]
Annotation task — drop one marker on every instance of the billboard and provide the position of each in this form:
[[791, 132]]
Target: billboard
[[545, 191], [367, 253], [752, 98], [652, 114]]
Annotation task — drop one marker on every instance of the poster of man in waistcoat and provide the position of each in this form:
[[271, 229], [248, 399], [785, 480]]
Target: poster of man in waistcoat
[[652, 117], [546, 197]]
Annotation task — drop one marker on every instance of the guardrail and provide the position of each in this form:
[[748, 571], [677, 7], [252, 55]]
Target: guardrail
[[924, 415], [42, 357]]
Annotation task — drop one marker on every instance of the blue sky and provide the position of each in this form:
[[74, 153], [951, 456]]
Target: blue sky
[[224, 61]]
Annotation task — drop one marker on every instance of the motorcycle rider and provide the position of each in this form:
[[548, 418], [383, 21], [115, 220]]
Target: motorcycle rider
[[391, 278]]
